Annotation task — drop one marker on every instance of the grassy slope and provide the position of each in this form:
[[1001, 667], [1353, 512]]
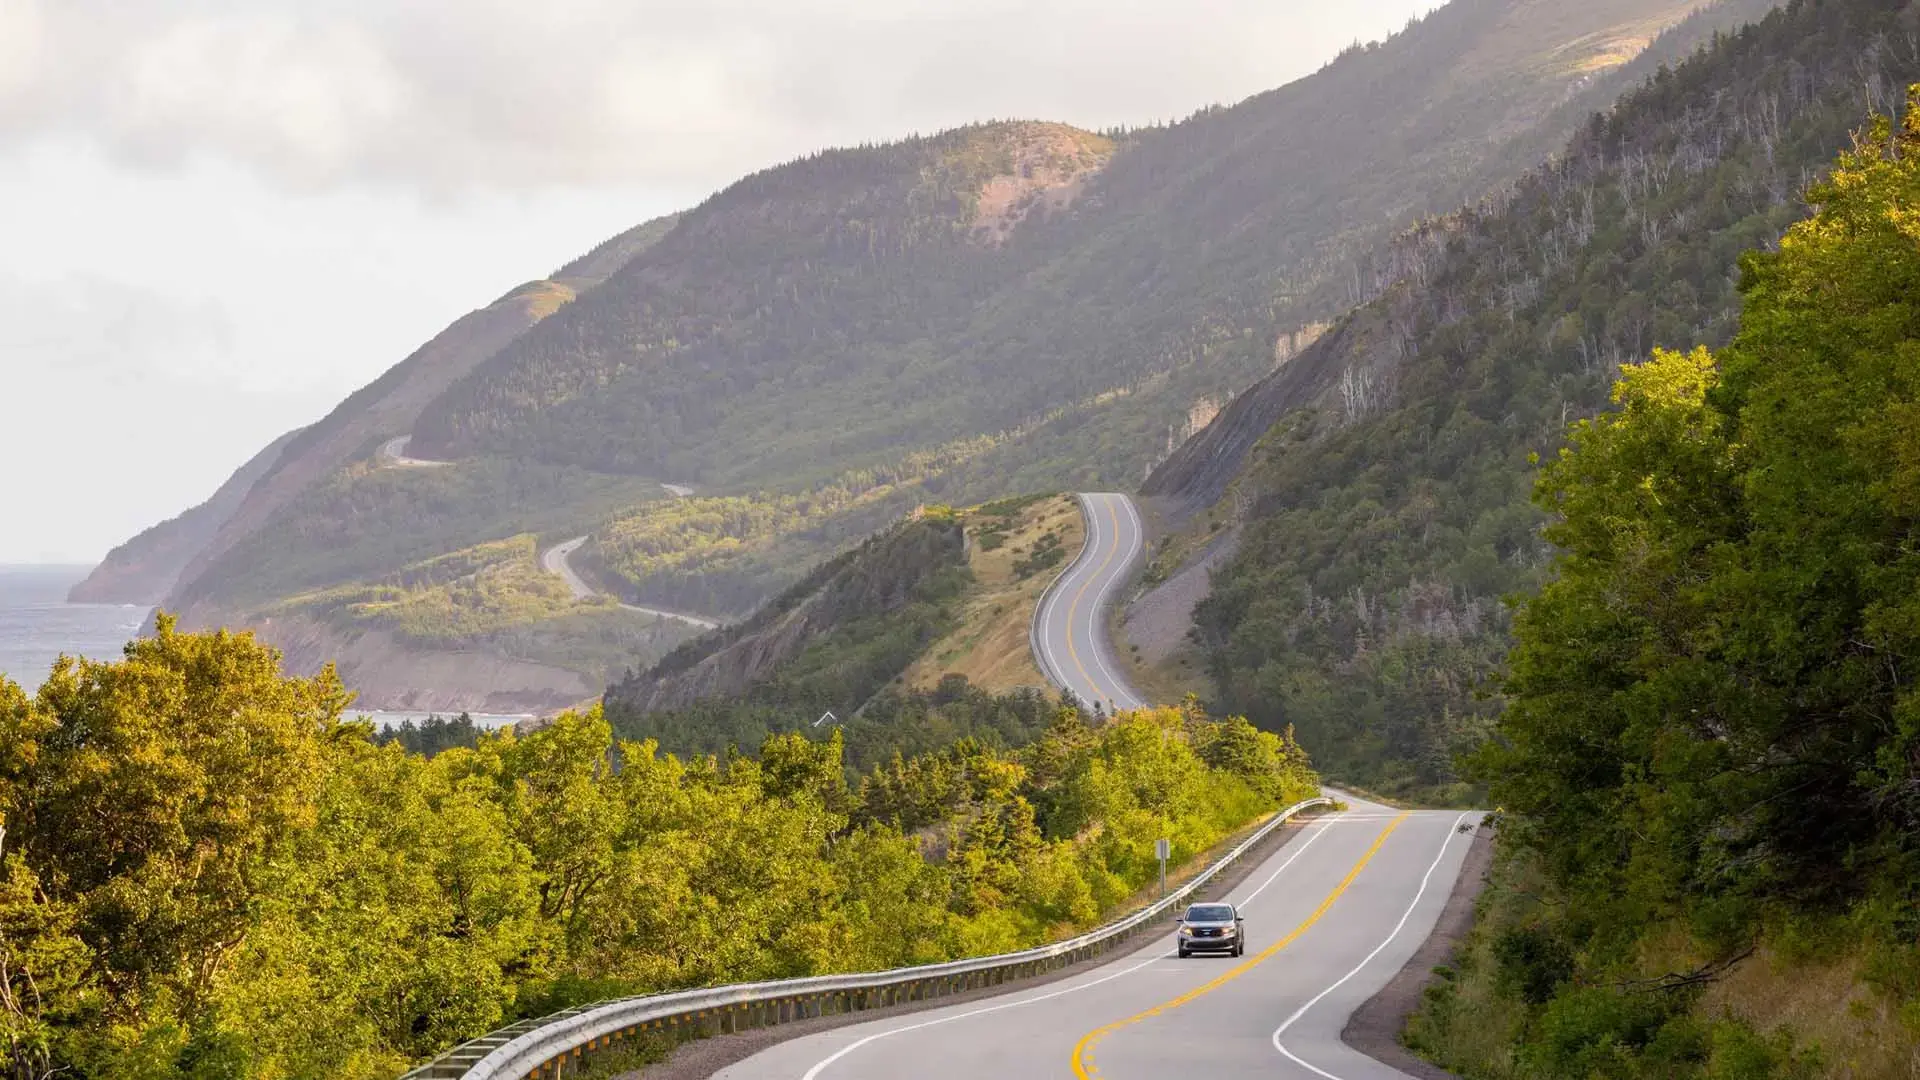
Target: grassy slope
[[494, 596], [990, 645], [325, 513]]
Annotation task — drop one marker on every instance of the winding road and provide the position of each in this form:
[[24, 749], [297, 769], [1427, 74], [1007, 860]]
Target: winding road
[[1069, 625], [554, 561], [1331, 916], [394, 452]]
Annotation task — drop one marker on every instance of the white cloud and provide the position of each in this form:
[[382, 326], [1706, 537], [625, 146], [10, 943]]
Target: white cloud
[[492, 94], [112, 331], [304, 95]]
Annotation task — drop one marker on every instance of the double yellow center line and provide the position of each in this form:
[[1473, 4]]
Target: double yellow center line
[[1083, 1066]]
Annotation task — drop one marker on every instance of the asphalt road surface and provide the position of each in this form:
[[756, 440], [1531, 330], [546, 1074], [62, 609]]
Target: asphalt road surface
[[1070, 629], [554, 561], [1331, 916], [394, 452]]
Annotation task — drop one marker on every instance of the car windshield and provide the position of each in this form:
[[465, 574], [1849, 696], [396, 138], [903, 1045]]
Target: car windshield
[[1210, 913]]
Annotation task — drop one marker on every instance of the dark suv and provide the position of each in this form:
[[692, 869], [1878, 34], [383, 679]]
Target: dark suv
[[1212, 928]]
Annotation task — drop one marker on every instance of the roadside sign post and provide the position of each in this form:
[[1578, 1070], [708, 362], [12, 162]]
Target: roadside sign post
[[1161, 849]]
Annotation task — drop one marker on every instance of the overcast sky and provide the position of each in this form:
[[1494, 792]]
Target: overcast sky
[[218, 217]]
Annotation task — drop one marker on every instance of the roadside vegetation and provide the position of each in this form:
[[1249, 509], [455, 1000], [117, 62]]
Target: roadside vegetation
[[264, 890], [367, 522], [1709, 753]]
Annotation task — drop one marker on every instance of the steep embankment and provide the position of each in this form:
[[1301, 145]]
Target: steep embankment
[[145, 569], [382, 410], [1006, 307], [1384, 491], [860, 645], [388, 671], [883, 601], [188, 565], [1015, 548]]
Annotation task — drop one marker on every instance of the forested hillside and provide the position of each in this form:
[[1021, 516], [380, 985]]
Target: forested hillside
[[1386, 505], [841, 641], [1008, 307], [829, 642], [1709, 755], [244, 847]]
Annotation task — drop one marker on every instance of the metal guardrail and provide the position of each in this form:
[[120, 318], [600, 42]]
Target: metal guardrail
[[555, 1045]]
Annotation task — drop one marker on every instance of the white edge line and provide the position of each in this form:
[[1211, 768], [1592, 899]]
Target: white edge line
[[1304, 845], [1092, 578], [1377, 950], [1081, 563], [1140, 552], [1051, 597], [1097, 640], [1123, 694], [814, 1073], [1139, 530]]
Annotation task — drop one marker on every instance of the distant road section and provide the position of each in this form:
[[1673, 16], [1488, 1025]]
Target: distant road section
[[1070, 625], [394, 452], [554, 560]]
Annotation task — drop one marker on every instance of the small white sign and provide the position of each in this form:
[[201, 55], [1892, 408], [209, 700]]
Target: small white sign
[[1162, 848]]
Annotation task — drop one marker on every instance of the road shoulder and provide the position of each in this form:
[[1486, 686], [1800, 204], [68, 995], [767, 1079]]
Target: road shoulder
[[1374, 1028]]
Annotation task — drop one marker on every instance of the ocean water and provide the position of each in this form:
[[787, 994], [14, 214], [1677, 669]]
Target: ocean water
[[37, 624], [390, 719]]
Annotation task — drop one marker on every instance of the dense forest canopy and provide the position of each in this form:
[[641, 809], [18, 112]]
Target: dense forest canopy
[[1709, 747], [245, 845]]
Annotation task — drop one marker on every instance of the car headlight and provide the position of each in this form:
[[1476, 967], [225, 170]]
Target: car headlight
[[1186, 932]]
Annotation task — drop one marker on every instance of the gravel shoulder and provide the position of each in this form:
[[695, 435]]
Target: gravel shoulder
[[1158, 621]]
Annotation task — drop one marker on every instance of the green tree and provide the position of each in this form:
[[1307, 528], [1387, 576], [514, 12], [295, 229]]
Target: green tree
[[193, 763], [1710, 731], [46, 989]]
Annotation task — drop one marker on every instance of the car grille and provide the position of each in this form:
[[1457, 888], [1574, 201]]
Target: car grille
[[1207, 931]]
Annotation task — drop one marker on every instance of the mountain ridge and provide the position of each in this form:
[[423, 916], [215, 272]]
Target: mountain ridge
[[996, 309]]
